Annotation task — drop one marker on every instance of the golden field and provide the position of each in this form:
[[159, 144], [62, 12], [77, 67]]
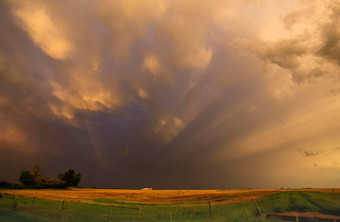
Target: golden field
[[184, 197]]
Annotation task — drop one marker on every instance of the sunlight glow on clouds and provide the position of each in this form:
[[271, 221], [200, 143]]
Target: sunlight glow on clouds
[[45, 31], [174, 94]]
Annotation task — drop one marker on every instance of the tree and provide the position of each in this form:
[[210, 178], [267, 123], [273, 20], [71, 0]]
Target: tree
[[26, 178], [4, 184], [38, 178], [70, 178], [36, 173], [53, 183]]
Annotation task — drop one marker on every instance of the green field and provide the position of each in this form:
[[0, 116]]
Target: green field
[[23, 209]]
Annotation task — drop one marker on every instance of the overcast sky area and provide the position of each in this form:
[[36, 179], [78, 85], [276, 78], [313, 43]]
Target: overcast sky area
[[172, 94]]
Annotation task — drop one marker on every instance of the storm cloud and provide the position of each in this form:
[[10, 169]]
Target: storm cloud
[[171, 94], [309, 46]]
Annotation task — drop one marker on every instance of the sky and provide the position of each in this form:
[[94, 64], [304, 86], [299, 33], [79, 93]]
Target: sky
[[172, 94]]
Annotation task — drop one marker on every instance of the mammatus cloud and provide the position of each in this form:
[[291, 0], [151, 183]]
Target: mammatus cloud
[[179, 94], [151, 64]]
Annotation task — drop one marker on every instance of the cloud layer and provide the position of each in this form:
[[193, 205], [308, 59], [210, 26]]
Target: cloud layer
[[172, 94]]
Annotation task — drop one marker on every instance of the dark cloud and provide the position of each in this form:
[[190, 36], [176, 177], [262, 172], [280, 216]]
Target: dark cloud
[[333, 92], [330, 47], [139, 94], [310, 52], [308, 153]]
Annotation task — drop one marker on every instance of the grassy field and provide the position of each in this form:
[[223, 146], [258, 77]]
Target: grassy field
[[91, 205]]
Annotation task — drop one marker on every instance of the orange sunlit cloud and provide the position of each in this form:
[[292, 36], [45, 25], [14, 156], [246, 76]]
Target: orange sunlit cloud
[[171, 93]]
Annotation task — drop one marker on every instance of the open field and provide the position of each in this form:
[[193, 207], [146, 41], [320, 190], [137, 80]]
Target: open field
[[191, 197], [162, 205]]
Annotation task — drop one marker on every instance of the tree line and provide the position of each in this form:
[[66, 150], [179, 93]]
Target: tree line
[[36, 180]]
